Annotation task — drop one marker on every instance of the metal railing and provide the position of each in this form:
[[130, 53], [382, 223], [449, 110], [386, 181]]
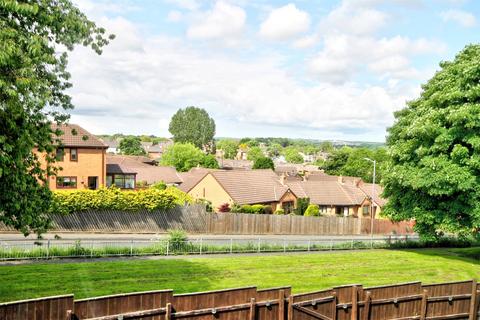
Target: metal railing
[[91, 248]]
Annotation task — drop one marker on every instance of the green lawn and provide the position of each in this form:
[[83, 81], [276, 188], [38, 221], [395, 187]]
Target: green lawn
[[304, 272]]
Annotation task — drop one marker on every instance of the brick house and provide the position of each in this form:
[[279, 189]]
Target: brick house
[[80, 159]]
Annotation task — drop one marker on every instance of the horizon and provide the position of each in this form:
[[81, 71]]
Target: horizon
[[330, 71]]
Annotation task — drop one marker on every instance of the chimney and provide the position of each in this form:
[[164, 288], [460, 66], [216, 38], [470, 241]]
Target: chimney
[[283, 177]]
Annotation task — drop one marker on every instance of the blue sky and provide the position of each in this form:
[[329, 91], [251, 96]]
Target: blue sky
[[300, 69]]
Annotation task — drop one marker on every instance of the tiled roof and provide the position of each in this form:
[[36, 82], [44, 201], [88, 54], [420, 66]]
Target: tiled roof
[[235, 163], [251, 186], [75, 136], [328, 192], [192, 177], [367, 189], [144, 172]]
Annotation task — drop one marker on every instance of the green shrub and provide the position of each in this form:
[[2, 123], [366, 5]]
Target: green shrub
[[279, 211], [302, 205], [236, 208], [312, 211], [207, 203], [158, 185], [66, 202], [258, 209], [246, 208]]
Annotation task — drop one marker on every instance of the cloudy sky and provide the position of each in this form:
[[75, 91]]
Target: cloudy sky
[[302, 69]]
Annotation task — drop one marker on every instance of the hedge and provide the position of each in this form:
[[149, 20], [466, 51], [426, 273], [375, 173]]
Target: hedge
[[66, 202]]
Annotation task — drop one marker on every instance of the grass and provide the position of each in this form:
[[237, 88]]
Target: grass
[[304, 272]]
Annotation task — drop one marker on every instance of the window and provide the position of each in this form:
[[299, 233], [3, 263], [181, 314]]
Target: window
[[59, 154], [109, 181], [338, 210], [123, 181], [366, 210], [345, 211], [323, 209], [288, 206], [74, 154], [66, 182]]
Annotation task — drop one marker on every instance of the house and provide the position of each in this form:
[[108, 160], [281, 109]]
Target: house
[[80, 159], [334, 197], [242, 187], [156, 150], [130, 172], [378, 201]]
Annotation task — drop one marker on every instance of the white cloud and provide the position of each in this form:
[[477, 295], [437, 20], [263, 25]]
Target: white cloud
[[285, 23], [351, 45], [463, 18], [140, 81], [221, 22]]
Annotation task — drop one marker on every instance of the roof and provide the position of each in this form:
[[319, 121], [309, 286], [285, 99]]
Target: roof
[[192, 178], [144, 172], [328, 192], [320, 176], [110, 143], [75, 136], [251, 186], [367, 188], [235, 163]]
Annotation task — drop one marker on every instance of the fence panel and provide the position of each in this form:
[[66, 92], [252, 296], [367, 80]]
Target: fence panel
[[122, 303], [50, 308]]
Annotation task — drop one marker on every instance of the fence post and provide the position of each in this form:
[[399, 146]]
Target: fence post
[[284, 245], [331, 244], [168, 246], [366, 308], [168, 313], [258, 249], [131, 247], [308, 248], [473, 302], [91, 250], [354, 303], [281, 305], [423, 308], [290, 307], [252, 309], [351, 244], [201, 244], [231, 245], [334, 306], [48, 248]]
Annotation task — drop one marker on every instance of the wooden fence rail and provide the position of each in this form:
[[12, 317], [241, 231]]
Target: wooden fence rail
[[412, 301], [194, 219]]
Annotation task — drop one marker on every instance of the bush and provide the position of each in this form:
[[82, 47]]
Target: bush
[[177, 239], [302, 205], [279, 211], [258, 209], [66, 202], [312, 211], [263, 163], [158, 185], [224, 208], [246, 208]]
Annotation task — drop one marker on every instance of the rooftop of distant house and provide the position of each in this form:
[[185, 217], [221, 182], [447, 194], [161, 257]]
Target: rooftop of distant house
[[75, 136]]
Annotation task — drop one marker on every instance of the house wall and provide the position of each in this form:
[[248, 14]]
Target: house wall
[[91, 163], [208, 188], [288, 196]]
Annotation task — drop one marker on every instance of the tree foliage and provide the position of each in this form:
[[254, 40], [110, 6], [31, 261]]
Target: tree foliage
[[263, 163], [254, 153], [434, 169], [33, 80], [312, 211], [348, 161], [292, 155], [132, 146], [193, 125], [229, 148], [184, 156]]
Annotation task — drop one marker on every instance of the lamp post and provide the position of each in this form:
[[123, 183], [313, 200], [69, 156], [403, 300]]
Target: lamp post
[[373, 196]]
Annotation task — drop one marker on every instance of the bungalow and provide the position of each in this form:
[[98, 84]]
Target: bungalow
[[242, 187], [334, 197], [128, 172]]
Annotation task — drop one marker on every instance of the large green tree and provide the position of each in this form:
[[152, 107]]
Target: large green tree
[[433, 175], [184, 156], [132, 146], [193, 125], [35, 37], [292, 155], [254, 153], [263, 163]]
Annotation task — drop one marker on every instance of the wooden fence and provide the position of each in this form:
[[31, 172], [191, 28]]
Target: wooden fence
[[412, 301], [194, 219]]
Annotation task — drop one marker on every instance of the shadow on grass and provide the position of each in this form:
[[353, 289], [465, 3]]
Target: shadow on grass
[[470, 254]]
